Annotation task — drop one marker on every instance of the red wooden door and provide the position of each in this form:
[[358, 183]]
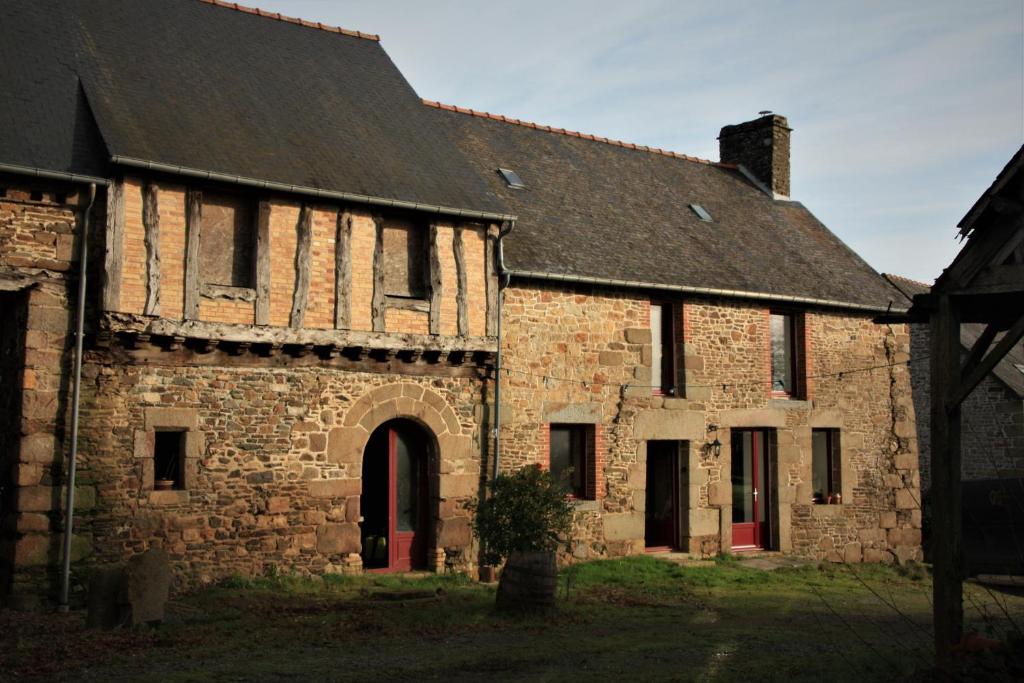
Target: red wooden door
[[750, 489], [407, 478]]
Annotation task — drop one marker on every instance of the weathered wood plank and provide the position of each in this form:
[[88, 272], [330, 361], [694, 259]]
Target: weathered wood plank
[[343, 271], [947, 585], [193, 233], [151, 225], [491, 276], [378, 304], [263, 273], [971, 379], [436, 284], [460, 269], [113, 257], [300, 296]]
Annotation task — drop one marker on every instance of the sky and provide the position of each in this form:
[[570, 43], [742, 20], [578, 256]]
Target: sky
[[903, 112]]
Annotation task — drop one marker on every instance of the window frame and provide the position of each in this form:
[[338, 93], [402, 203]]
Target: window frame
[[587, 489], [664, 379], [209, 288], [414, 295], [833, 466], [796, 351]]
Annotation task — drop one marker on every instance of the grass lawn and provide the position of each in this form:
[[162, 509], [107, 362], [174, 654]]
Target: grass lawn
[[637, 619]]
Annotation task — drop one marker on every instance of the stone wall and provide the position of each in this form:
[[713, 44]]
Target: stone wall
[[583, 356], [992, 421]]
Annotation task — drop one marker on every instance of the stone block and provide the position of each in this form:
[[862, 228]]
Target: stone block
[[33, 550], [852, 553], [179, 418], [317, 442], [623, 526], [719, 493], [642, 374], [335, 539], [887, 520], [37, 448], [804, 493], [27, 474], [131, 595], [454, 447], [455, 532], [906, 500], [610, 358], [38, 499], [27, 522], [867, 536], [143, 443], [705, 522], [906, 461], [459, 485], [664, 424], [638, 335], [345, 444], [335, 488], [352, 509], [676, 404], [573, 413], [698, 393], [278, 504]]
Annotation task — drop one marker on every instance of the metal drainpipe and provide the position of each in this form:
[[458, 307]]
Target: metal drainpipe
[[503, 279], [83, 258]]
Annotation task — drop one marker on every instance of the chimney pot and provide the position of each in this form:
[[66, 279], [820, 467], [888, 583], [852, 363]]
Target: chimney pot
[[762, 147]]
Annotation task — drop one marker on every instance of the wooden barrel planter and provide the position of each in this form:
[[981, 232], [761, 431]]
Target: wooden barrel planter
[[528, 583]]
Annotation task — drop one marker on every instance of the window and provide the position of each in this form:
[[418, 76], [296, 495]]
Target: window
[[572, 459], [405, 260], [663, 356], [826, 466], [701, 212], [226, 245], [167, 460], [512, 179], [786, 349]]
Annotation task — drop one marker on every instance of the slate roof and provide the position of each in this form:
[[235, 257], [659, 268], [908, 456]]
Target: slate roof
[[199, 85], [1010, 369], [606, 209]]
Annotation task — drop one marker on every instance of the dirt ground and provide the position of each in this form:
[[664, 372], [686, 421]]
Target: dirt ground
[[636, 619]]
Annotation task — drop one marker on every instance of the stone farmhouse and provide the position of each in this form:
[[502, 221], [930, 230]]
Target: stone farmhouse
[[310, 300]]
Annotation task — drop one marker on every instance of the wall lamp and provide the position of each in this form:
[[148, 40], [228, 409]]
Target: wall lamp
[[714, 447]]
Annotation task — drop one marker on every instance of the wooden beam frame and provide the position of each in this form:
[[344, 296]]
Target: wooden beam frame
[[113, 256], [193, 233], [491, 279], [973, 377], [263, 271], [151, 225], [343, 271], [300, 296]]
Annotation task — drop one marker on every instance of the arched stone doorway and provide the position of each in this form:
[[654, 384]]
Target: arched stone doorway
[[396, 523]]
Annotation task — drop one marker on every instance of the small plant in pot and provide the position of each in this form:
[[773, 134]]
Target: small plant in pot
[[522, 523]]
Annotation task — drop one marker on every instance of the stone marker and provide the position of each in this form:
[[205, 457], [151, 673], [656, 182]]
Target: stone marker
[[132, 594]]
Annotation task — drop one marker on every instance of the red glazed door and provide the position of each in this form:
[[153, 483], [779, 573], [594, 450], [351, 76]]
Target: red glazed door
[[407, 465], [750, 489]]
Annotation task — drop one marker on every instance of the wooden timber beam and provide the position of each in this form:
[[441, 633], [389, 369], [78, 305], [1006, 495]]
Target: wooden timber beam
[[976, 374], [343, 271], [491, 278], [978, 350], [377, 305], [460, 269], [151, 225], [300, 296], [436, 282], [113, 257], [193, 230], [1001, 279], [263, 272], [947, 583], [991, 248]]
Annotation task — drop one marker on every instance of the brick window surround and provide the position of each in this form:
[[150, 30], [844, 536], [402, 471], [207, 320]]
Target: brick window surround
[[587, 442], [182, 420]]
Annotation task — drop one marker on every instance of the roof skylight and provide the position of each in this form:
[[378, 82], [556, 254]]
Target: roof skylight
[[512, 178], [701, 212]]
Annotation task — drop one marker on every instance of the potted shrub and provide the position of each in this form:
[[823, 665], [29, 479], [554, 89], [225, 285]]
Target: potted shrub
[[522, 523]]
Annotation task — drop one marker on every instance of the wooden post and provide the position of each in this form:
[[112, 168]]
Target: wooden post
[[113, 259], [263, 263], [378, 276], [300, 297], [946, 494], [460, 269], [436, 285], [193, 229], [343, 271], [151, 224]]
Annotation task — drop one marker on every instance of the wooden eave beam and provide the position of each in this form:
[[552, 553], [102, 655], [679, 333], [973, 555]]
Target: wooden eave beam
[[979, 348]]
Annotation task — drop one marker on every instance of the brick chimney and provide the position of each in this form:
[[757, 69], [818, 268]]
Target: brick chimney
[[762, 146]]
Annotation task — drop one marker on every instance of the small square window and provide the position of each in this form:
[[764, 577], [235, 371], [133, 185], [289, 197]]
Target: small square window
[[572, 459], [168, 460], [826, 466]]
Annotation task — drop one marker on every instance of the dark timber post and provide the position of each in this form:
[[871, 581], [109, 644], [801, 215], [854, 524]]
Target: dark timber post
[[946, 494]]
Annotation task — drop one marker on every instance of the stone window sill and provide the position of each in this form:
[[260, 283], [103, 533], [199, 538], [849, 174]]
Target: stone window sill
[[585, 505], [790, 404], [827, 510], [175, 497]]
